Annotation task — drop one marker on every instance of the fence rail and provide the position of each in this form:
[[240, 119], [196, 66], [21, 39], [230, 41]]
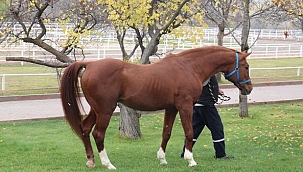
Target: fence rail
[[259, 51], [3, 76], [271, 44], [298, 73]]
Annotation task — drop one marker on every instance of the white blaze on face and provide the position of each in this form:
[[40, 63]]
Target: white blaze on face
[[105, 160]]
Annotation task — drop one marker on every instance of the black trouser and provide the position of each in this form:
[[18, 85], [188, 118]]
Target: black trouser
[[209, 116]]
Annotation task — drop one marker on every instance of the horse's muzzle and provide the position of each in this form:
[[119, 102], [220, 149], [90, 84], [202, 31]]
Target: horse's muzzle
[[246, 90]]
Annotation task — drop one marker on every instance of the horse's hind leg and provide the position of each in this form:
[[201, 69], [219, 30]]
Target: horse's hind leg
[[99, 135], [87, 126], [169, 118]]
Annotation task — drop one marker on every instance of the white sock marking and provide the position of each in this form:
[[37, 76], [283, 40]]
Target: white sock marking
[[105, 160], [189, 157], [161, 156]]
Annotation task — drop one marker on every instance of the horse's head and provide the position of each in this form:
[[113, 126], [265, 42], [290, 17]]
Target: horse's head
[[238, 73]]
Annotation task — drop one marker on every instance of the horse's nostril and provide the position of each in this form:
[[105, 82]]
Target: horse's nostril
[[247, 91]]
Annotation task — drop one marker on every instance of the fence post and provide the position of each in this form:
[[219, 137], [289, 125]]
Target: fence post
[[277, 49], [298, 71], [98, 53], [249, 72], [22, 54], [3, 83]]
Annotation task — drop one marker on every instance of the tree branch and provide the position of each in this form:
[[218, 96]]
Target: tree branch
[[140, 38], [175, 15], [40, 20], [53, 64], [59, 55], [15, 14]]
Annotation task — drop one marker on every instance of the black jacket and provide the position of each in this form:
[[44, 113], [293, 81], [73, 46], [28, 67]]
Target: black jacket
[[209, 95]]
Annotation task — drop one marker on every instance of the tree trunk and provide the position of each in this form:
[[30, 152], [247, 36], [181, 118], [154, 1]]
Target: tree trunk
[[220, 37], [244, 47], [219, 77], [150, 49], [129, 118], [129, 125], [243, 107]]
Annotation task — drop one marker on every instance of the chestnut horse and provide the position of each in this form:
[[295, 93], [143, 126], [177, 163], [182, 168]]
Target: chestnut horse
[[174, 84]]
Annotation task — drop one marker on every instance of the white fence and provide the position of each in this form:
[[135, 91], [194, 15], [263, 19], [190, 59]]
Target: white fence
[[258, 51], [3, 76], [271, 44], [298, 73]]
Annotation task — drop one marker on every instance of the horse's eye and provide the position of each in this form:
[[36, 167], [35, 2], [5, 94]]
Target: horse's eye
[[246, 67]]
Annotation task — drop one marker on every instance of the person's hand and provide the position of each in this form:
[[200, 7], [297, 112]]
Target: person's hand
[[221, 92]]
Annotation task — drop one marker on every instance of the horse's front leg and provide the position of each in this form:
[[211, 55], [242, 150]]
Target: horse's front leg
[[169, 118], [186, 120], [99, 135]]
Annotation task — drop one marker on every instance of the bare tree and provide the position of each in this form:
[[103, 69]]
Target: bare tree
[[256, 10], [224, 13], [244, 47], [33, 16]]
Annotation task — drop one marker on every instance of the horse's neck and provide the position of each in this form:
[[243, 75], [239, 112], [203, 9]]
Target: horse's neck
[[210, 65]]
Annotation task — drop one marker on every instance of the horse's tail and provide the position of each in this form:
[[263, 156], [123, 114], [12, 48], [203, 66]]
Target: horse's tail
[[70, 96]]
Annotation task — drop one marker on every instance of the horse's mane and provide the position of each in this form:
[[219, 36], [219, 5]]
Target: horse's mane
[[201, 50], [207, 50]]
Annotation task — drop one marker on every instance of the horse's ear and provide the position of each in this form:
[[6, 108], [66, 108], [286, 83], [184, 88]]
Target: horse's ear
[[246, 53]]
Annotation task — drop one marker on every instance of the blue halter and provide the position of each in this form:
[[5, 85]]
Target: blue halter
[[236, 71]]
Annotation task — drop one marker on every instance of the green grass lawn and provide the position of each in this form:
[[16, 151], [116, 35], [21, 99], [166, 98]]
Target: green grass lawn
[[269, 140], [277, 74], [22, 85]]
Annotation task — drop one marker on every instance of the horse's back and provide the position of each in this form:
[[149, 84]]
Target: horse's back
[[101, 80]]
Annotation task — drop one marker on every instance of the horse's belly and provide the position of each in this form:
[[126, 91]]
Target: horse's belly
[[147, 104]]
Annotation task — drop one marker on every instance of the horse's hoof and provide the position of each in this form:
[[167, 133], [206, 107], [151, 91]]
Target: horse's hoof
[[111, 167], [163, 161], [161, 156], [192, 164], [90, 164]]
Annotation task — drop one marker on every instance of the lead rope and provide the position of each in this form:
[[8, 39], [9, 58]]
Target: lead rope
[[222, 97], [211, 92]]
